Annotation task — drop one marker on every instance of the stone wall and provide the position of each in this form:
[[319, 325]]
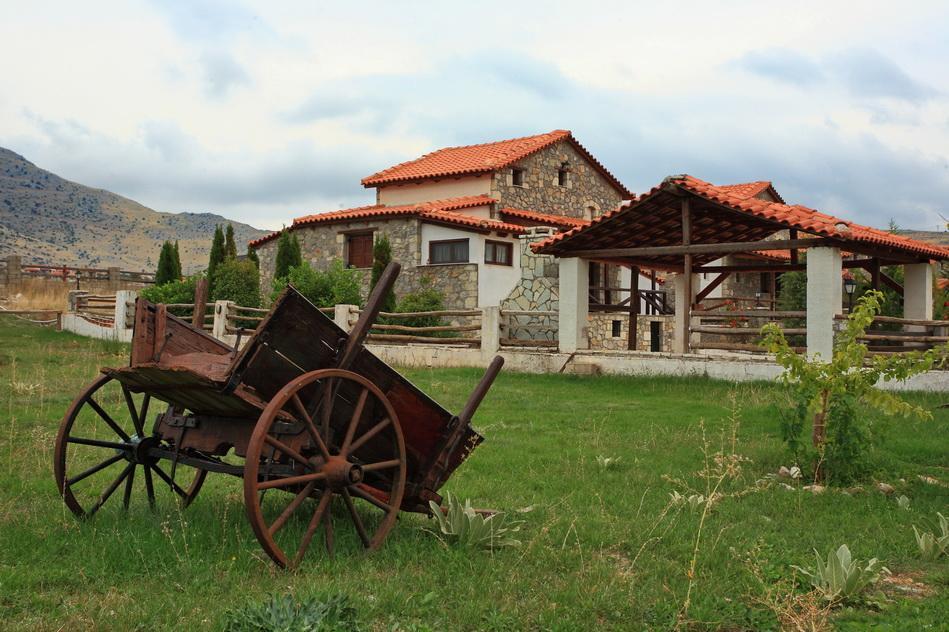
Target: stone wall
[[586, 193], [321, 244], [600, 331], [537, 291]]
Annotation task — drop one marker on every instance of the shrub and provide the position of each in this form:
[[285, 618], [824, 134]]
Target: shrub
[[930, 545], [832, 393], [285, 614], [461, 525], [335, 286], [381, 257], [237, 281], [181, 291], [427, 299], [842, 577]]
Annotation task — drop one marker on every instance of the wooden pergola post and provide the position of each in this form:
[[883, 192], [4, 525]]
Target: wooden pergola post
[[633, 309], [687, 271]]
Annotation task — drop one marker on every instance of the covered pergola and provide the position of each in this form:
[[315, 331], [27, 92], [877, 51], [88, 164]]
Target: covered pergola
[[685, 225]]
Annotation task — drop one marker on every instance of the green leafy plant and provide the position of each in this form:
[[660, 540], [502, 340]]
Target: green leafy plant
[[381, 257], [903, 502], [237, 281], [217, 255], [230, 246], [841, 577], [426, 299], [169, 268], [607, 462], [460, 525], [181, 291], [336, 285], [930, 545], [286, 614], [829, 392], [288, 255]]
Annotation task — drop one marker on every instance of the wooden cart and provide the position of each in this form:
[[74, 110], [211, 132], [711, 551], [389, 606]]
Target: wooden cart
[[303, 409]]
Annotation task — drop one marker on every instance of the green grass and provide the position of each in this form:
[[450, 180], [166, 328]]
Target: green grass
[[601, 548]]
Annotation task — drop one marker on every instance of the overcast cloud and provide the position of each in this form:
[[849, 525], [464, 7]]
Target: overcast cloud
[[267, 111]]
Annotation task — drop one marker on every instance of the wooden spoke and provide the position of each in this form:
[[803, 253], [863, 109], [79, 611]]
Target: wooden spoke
[[95, 468], [127, 496], [311, 428], [283, 447], [107, 419], [369, 498], [381, 465], [302, 495], [132, 412], [379, 427], [357, 521], [314, 523], [326, 410], [328, 531], [98, 443], [354, 421], [110, 490], [143, 416], [149, 486], [171, 483], [291, 480]]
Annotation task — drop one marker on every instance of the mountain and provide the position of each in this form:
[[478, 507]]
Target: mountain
[[933, 237], [48, 220]]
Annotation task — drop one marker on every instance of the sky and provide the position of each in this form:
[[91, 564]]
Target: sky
[[266, 111]]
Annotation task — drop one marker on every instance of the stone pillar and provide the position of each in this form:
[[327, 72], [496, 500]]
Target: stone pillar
[[490, 332], [124, 309], [824, 299], [14, 273], [574, 303], [681, 324], [341, 316], [219, 329], [918, 293]]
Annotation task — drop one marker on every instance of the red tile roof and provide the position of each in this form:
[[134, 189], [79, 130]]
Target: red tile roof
[[440, 211], [483, 158], [544, 219], [790, 216], [751, 189]]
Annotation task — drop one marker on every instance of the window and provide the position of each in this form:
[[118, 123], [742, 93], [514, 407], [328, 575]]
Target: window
[[617, 328], [359, 250], [563, 174], [448, 251], [764, 283], [517, 177], [497, 252]]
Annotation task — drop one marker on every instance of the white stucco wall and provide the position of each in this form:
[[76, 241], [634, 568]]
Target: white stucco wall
[[434, 190], [494, 282]]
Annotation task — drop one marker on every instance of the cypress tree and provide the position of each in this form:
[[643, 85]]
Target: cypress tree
[[288, 255], [381, 256], [166, 265], [177, 262], [217, 254], [230, 246]]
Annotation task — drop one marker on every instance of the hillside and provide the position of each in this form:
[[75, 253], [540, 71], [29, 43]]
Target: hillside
[[933, 237], [46, 219]]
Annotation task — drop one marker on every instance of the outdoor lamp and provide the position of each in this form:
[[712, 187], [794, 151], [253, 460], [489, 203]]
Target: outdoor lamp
[[849, 286]]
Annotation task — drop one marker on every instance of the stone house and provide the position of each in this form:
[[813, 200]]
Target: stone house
[[461, 219]]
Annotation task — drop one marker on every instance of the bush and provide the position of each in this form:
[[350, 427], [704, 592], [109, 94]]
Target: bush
[[286, 614], [381, 257], [237, 281], [335, 286], [181, 291], [427, 299]]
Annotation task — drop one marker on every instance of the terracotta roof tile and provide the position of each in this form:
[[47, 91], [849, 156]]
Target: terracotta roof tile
[[483, 158], [791, 216], [442, 211], [545, 219]]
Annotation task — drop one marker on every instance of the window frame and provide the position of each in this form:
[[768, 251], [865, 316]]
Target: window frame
[[517, 176], [563, 177], [371, 234], [439, 242], [495, 243]]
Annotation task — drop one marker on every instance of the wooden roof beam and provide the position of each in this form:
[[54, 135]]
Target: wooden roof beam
[[701, 249]]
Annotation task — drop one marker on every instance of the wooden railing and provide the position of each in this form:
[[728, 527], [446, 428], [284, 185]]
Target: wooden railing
[[96, 307], [460, 332], [604, 299], [66, 273], [745, 326]]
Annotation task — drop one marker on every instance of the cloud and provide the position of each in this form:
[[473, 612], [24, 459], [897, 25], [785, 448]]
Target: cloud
[[782, 65], [209, 20], [221, 73], [867, 73]]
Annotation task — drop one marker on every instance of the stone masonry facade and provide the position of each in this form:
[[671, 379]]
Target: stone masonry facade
[[600, 331], [586, 193], [537, 291], [321, 244]]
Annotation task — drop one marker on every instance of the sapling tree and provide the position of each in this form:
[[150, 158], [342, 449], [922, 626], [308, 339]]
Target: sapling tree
[[833, 392]]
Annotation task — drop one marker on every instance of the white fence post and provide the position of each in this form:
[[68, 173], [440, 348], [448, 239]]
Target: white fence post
[[122, 300], [341, 316], [490, 331], [219, 329]]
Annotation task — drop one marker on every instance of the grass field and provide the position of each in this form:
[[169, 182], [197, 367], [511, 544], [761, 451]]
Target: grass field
[[603, 547]]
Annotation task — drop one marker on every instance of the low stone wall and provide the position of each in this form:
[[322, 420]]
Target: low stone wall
[[600, 331]]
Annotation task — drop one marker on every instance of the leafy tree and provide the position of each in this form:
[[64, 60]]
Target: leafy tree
[[336, 286], [288, 255], [381, 257], [252, 256], [167, 271], [237, 281], [426, 299], [230, 246], [217, 254], [834, 393]]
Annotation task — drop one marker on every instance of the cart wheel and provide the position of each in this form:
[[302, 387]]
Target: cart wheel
[[352, 449], [101, 444]]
